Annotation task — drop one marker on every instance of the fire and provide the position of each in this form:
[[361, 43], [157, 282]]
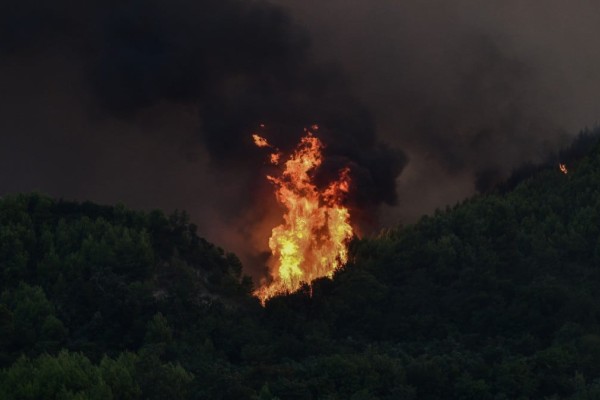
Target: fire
[[260, 141], [274, 158], [563, 168], [312, 240]]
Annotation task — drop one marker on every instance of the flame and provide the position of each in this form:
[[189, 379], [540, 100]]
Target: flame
[[260, 141], [312, 241], [274, 158], [563, 168]]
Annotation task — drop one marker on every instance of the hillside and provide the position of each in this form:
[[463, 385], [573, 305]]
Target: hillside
[[495, 298]]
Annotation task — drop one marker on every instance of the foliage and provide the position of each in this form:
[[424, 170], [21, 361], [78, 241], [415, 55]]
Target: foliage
[[495, 298]]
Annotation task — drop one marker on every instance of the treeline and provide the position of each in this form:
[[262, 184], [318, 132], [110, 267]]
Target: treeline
[[81, 283], [495, 298], [490, 181]]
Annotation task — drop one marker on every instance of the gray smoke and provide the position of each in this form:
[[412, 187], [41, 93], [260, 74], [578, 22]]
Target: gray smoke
[[466, 88], [152, 103]]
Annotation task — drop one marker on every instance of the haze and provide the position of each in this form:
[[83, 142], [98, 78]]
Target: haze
[[153, 105]]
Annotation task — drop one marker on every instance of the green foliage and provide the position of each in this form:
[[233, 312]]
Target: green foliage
[[495, 298], [28, 321], [66, 376], [121, 376], [73, 376]]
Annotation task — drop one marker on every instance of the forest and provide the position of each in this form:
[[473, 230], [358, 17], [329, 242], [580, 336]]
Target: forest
[[494, 298]]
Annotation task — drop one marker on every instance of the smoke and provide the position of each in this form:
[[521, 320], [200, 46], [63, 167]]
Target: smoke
[[152, 103], [121, 90], [469, 89]]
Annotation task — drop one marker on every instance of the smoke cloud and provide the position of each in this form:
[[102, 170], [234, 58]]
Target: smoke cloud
[[114, 82], [470, 90], [152, 103]]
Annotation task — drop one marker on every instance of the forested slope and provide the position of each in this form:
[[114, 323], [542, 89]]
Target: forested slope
[[495, 298]]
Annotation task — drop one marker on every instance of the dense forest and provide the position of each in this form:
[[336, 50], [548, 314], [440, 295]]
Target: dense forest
[[494, 298]]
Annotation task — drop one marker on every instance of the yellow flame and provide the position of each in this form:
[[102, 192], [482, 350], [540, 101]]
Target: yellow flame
[[312, 240]]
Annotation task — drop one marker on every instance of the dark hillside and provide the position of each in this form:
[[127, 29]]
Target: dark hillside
[[495, 298]]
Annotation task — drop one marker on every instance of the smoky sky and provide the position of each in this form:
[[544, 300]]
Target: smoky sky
[[466, 88], [152, 103]]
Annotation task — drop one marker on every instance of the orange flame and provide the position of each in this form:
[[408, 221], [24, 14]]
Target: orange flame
[[274, 158], [260, 141], [312, 241], [563, 168]]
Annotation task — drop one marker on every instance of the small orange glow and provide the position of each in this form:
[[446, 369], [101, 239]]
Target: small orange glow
[[563, 168]]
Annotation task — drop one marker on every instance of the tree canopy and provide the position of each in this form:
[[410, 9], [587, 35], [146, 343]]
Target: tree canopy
[[494, 298]]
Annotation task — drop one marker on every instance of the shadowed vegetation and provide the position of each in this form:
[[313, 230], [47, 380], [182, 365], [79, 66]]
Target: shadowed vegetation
[[495, 298]]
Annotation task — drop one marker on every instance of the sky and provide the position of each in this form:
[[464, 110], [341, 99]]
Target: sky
[[152, 103]]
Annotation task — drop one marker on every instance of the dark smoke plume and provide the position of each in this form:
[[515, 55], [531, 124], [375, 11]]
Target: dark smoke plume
[[234, 63], [239, 62], [152, 102], [470, 89]]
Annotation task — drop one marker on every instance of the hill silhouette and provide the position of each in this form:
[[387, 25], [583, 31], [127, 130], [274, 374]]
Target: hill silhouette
[[494, 298]]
